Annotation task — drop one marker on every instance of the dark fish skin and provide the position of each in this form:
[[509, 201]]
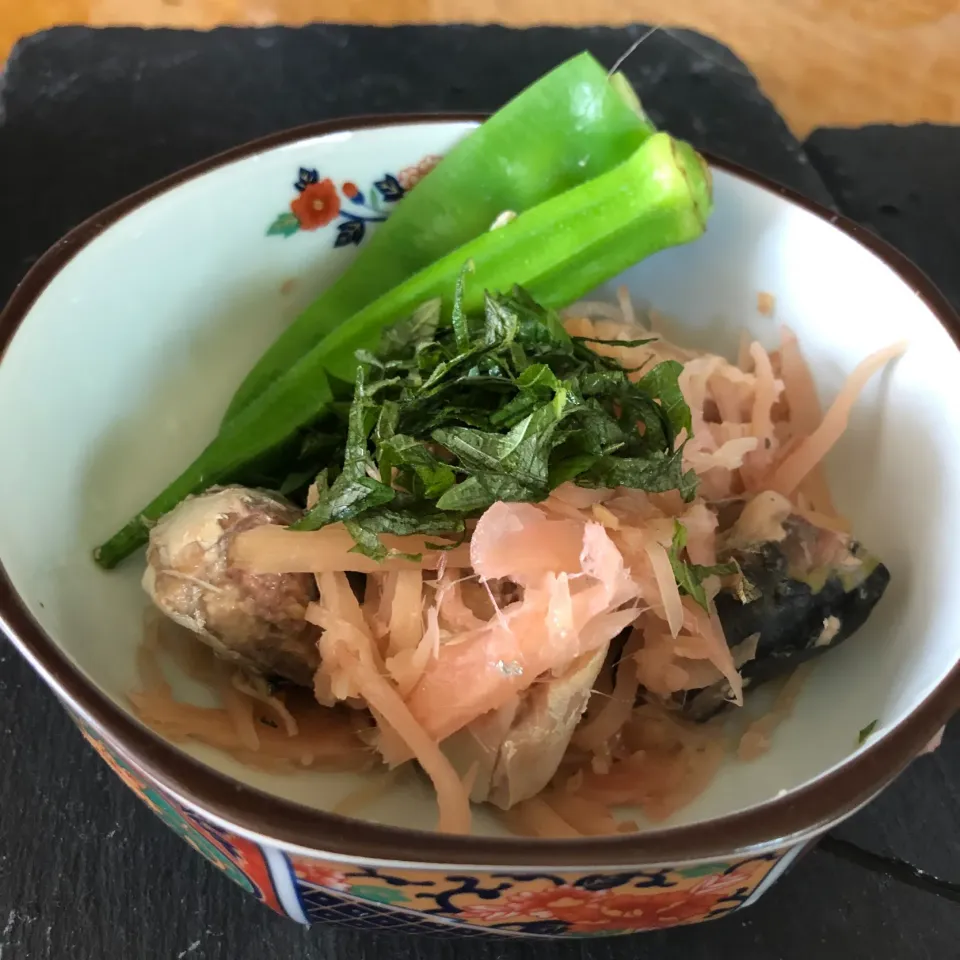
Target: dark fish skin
[[791, 616]]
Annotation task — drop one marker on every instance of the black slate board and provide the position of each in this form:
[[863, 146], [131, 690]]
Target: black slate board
[[86, 871], [903, 183]]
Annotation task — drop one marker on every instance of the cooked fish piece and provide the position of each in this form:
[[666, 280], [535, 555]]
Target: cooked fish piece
[[256, 620], [805, 593], [518, 748]]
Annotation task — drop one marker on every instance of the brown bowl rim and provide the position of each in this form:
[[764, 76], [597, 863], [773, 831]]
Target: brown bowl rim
[[805, 812]]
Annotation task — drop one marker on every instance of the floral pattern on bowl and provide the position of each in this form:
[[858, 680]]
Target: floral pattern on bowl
[[320, 202], [465, 901], [543, 904]]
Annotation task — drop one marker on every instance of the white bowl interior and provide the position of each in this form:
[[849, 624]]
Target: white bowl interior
[[123, 367]]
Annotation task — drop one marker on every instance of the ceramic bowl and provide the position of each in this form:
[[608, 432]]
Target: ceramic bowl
[[120, 350]]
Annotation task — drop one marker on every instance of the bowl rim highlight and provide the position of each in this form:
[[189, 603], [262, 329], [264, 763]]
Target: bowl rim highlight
[[774, 824]]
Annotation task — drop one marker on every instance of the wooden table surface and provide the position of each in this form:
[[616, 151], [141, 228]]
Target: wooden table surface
[[823, 62]]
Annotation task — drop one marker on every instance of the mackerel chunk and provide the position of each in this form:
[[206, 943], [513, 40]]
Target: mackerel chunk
[[515, 751], [803, 593], [253, 620]]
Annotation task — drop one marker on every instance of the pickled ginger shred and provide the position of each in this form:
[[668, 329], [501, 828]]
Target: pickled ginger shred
[[569, 630], [815, 447], [545, 630]]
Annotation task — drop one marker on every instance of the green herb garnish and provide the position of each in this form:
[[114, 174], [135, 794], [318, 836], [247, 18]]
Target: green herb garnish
[[690, 576], [866, 732], [497, 405]]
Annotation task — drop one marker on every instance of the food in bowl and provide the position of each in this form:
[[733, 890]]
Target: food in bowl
[[591, 542], [572, 542]]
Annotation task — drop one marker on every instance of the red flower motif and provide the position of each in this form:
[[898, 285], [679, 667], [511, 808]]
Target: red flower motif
[[723, 883], [569, 904], [317, 205], [597, 910], [350, 190], [409, 177], [654, 910], [319, 875]]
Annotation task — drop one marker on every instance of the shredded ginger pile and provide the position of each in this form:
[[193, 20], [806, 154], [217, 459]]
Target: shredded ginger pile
[[463, 636]]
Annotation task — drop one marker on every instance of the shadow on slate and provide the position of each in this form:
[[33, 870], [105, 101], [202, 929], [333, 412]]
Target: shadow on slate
[[90, 116], [903, 183], [86, 871]]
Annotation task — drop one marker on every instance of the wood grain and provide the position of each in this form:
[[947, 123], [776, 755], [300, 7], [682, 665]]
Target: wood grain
[[823, 62]]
